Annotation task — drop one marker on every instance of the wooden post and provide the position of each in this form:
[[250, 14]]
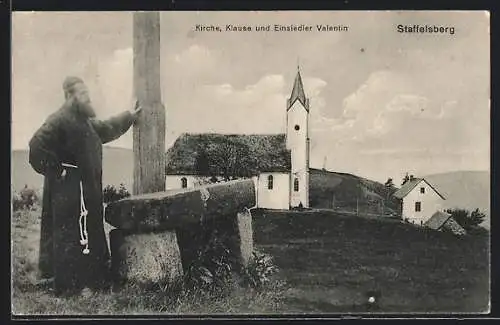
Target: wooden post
[[149, 131]]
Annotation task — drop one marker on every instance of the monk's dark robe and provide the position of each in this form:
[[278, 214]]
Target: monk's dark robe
[[69, 137]]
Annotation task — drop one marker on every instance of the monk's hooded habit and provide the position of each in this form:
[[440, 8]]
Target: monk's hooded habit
[[73, 248]]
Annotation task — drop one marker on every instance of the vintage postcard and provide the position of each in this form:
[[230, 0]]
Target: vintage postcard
[[250, 163]]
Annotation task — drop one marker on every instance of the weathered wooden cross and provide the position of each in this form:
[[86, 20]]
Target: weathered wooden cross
[[159, 233]]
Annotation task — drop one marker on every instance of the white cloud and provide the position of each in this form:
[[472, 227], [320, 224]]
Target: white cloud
[[193, 62], [195, 53], [254, 108]]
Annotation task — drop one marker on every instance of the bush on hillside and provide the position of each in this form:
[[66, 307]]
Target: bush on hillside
[[112, 194], [467, 219], [260, 270], [27, 198], [211, 271]]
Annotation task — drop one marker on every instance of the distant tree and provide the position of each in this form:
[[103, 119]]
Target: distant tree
[[111, 194], [202, 164], [28, 197], [25, 199], [123, 192], [468, 220], [231, 159], [390, 188], [405, 179]]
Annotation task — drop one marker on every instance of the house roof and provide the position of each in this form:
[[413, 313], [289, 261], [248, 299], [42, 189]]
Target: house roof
[[441, 220], [298, 93], [410, 185], [255, 153], [437, 220]]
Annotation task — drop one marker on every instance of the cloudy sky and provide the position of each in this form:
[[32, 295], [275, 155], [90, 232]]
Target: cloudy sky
[[382, 102]]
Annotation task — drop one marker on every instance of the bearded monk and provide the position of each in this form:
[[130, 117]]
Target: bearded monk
[[67, 150]]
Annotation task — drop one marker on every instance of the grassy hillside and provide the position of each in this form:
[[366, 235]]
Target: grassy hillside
[[22, 173], [328, 263], [29, 298], [332, 262], [346, 192]]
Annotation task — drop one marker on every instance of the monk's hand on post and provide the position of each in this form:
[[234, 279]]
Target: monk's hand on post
[[136, 110]]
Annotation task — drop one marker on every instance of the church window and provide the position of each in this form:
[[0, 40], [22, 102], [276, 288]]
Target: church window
[[296, 185], [270, 182], [297, 127], [184, 182]]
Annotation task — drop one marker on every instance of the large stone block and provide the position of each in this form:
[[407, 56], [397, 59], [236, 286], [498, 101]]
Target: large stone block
[[181, 208], [145, 258], [233, 231]]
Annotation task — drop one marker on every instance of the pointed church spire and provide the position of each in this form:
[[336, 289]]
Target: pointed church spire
[[298, 92]]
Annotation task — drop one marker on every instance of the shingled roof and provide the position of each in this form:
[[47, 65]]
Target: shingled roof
[[437, 220], [261, 152], [444, 221], [410, 185]]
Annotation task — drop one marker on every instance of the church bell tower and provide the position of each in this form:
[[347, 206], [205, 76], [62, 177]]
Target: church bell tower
[[297, 141]]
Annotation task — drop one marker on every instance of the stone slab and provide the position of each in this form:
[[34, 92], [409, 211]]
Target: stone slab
[[180, 208]]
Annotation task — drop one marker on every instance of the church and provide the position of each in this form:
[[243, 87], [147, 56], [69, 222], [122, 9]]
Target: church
[[278, 163]]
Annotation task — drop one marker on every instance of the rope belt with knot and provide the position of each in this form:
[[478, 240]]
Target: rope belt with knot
[[82, 222]]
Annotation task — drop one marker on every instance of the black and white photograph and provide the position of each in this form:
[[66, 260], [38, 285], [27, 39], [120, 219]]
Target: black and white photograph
[[250, 163]]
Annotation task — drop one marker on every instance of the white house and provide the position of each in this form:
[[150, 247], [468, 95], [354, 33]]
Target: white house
[[419, 200], [278, 163]]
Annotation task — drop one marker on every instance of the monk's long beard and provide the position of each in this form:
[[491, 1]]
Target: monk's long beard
[[86, 109]]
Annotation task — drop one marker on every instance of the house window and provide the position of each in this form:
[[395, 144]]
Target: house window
[[297, 127], [270, 182], [418, 206], [422, 190], [184, 182], [296, 185]]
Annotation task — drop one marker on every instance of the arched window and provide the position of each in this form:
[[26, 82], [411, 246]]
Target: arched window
[[270, 182], [296, 184], [184, 182]]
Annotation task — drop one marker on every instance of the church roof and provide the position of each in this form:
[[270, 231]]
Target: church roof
[[298, 93], [209, 153]]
